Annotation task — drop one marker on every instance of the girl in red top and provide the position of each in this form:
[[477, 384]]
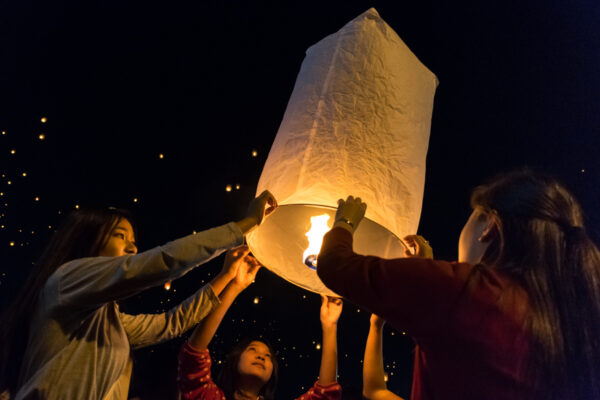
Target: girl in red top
[[250, 370], [517, 317]]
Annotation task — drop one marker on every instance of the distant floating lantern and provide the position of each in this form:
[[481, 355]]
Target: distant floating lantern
[[11, 244], [13, 151], [228, 188], [24, 174], [135, 199], [167, 286], [256, 300], [161, 156], [357, 123], [37, 198], [42, 136], [254, 153], [44, 120], [77, 206], [237, 187], [318, 346]]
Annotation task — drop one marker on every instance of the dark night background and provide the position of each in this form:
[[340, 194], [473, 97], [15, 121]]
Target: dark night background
[[206, 83]]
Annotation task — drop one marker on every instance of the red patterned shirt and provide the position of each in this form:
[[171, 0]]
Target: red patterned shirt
[[195, 382]]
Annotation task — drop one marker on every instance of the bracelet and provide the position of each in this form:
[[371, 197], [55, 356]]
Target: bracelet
[[346, 221]]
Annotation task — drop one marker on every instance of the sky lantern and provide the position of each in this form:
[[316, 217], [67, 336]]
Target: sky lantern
[[357, 123]]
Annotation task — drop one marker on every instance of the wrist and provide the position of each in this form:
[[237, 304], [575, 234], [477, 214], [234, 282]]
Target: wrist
[[329, 326], [345, 225], [237, 287]]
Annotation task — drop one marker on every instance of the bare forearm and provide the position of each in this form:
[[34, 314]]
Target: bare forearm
[[219, 282], [206, 330], [373, 372], [328, 371]]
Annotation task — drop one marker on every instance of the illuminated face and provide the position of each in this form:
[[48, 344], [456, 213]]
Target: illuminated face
[[121, 240], [472, 244], [256, 361]]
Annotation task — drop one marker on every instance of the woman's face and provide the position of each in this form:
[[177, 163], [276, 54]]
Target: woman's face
[[121, 240], [256, 360], [472, 243]]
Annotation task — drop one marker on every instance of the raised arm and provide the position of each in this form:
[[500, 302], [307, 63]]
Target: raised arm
[[245, 267], [147, 329], [374, 386], [331, 308], [89, 282]]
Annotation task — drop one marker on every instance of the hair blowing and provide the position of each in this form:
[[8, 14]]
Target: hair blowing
[[227, 379], [83, 234], [542, 244]]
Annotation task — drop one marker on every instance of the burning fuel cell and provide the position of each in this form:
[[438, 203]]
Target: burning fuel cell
[[318, 229]]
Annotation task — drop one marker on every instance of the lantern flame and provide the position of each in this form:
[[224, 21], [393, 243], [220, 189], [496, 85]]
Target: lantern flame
[[167, 285], [318, 229]]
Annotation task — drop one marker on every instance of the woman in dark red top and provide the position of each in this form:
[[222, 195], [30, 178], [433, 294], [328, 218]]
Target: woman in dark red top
[[517, 317]]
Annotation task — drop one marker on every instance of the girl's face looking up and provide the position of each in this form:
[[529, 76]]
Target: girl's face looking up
[[256, 361], [121, 240]]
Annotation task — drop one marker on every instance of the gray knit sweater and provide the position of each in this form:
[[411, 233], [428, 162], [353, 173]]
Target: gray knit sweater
[[80, 343]]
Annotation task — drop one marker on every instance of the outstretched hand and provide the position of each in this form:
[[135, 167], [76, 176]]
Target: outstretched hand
[[261, 206], [420, 246], [246, 273], [240, 266], [331, 308], [377, 321], [349, 213]]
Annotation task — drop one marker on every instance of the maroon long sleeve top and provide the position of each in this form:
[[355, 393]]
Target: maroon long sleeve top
[[467, 320]]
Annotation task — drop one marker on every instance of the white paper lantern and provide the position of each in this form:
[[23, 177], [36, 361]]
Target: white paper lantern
[[357, 123]]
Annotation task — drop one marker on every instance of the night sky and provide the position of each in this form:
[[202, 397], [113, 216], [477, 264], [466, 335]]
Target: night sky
[[205, 84]]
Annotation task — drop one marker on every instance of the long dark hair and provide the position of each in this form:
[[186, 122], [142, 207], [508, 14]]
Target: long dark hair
[[542, 245], [83, 234], [228, 377]]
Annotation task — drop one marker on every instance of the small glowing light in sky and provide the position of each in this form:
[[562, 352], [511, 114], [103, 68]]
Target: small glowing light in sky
[[228, 188], [167, 285], [161, 156], [37, 198], [11, 244], [1, 193], [9, 183], [254, 153], [4, 132], [582, 171], [44, 120], [237, 187], [256, 300], [2, 226], [24, 173], [318, 346], [42, 136], [385, 377], [49, 226], [77, 206], [135, 199], [13, 151]]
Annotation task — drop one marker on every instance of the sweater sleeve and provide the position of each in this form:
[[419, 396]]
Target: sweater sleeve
[[90, 282], [147, 329], [193, 375], [415, 295], [333, 391]]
